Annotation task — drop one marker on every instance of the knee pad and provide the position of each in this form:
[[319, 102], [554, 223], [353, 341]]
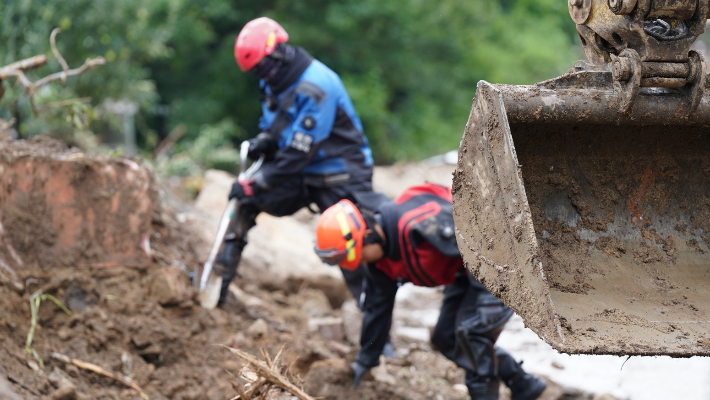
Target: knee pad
[[480, 351]]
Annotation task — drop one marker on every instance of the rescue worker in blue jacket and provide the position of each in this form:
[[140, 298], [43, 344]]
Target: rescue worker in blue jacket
[[311, 137], [411, 239]]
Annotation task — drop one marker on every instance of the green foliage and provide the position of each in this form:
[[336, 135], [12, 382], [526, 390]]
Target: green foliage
[[410, 66], [211, 149], [36, 300]]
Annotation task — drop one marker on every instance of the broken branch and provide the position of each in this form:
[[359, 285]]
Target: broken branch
[[16, 70], [270, 375], [23, 65], [89, 63], [53, 45], [98, 370]]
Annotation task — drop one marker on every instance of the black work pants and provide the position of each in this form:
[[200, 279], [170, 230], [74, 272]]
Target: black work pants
[[290, 197], [478, 316]]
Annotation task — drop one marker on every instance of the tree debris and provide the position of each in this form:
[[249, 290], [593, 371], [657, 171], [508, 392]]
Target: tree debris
[[262, 374], [16, 70]]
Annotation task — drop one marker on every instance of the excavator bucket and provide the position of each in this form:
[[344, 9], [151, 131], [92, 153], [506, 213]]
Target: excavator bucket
[[583, 202]]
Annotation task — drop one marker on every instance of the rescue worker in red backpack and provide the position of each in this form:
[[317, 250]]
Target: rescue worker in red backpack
[[411, 239], [311, 137]]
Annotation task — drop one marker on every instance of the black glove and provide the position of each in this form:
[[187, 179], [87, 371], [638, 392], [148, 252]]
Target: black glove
[[242, 189], [264, 144], [359, 371]]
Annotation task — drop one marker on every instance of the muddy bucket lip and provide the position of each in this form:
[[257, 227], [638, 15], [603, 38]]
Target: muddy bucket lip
[[597, 105], [489, 187]]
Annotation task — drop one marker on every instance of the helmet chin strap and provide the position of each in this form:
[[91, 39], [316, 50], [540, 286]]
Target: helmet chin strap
[[274, 66]]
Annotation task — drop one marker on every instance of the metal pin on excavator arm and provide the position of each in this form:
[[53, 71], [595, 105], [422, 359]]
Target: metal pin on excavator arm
[[643, 43], [583, 202]]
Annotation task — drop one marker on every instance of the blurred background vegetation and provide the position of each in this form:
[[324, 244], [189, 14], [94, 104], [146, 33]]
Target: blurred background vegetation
[[410, 66]]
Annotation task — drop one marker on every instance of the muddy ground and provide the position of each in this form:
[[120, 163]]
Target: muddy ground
[[143, 323]]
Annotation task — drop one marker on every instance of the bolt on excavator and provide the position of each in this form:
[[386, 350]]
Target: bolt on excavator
[[583, 202]]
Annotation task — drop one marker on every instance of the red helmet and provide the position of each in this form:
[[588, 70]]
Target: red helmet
[[339, 235], [257, 40]]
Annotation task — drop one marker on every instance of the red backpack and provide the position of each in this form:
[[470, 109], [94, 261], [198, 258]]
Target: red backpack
[[427, 251]]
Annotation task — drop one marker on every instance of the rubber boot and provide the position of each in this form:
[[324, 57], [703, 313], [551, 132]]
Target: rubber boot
[[388, 350], [523, 386], [526, 387], [482, 388], [227, 263]]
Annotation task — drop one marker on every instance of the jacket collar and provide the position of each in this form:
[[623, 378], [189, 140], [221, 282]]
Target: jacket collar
[[296, 67]]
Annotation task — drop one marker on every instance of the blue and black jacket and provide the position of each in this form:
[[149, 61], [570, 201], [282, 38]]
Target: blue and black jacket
[[319, 134]]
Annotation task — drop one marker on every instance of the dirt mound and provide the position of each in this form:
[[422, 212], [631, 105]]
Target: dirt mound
[[60, 207]]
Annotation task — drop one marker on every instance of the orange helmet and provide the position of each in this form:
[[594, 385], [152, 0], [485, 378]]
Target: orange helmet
[[339, 235], [257, 40]]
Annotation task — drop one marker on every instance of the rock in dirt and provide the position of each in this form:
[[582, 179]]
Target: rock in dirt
[[314, 303], [64, 393], [6, 392], [258, 329], [75, 298], [330, 328], [461, 388], [126, 364], [381, 374], [215, 190], [59, 379], [326, 378], [170, 286], [64, 333], [332, 286]]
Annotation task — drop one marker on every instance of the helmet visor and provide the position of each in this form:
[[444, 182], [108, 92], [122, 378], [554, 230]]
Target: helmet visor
[[331, 256]]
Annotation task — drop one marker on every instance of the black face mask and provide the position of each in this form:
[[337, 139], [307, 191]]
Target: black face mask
[[273, 67], [370, 220]]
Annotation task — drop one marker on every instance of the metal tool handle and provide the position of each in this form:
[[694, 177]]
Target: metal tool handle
[[221, 233], [243, 154], [230, 212], [244, 172]]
